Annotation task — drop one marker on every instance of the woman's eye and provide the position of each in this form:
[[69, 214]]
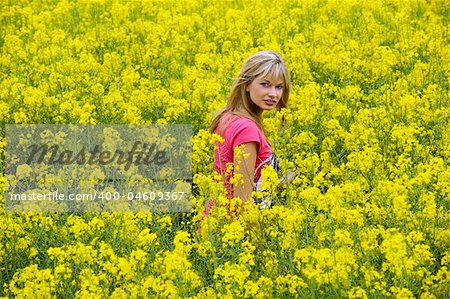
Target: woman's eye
[[265, 84], [280, 86]]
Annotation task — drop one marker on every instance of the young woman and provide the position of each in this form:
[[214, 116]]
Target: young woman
[[263, 84]]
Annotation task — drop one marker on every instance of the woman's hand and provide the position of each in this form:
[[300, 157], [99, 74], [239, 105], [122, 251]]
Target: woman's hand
[[288, 177]]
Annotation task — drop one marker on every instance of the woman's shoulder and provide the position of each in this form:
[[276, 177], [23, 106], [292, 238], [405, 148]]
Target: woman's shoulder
[[235, 120], [241, 129], [232, 125]]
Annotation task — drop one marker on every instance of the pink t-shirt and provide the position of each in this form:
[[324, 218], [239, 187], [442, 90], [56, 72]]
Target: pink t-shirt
[[239, 130]]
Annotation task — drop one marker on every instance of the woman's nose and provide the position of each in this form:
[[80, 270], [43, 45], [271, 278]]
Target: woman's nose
[[273, 91]]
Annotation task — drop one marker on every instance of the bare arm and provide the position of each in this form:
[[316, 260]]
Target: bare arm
[[245, 167]]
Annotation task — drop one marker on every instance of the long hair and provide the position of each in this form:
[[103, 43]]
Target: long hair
[[265, 64]]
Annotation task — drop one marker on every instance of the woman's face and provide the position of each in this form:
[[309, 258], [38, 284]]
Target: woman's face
[[265, 93]]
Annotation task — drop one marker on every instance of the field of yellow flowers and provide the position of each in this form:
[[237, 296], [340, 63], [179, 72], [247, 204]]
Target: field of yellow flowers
[[368, 126]]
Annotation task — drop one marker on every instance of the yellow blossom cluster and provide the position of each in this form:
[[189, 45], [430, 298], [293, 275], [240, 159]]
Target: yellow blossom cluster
[[367, 127]]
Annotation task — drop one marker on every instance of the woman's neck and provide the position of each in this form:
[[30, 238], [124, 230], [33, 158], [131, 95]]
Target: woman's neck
[[244, 112]]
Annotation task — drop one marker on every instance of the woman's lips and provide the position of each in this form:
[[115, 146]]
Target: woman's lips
[[270, 102]]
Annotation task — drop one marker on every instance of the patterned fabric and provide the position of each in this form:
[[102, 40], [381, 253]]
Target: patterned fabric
[[272, 161]]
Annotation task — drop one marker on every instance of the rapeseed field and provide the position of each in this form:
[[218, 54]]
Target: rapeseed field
[[368, 127]]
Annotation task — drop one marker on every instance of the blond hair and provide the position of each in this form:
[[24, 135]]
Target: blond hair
[[265, 64]]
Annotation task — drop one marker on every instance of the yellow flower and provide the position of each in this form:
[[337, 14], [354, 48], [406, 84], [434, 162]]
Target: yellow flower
[[357, 293], [24, 171], [233, 233], [342, 238], [146, 238], [165, 222]]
